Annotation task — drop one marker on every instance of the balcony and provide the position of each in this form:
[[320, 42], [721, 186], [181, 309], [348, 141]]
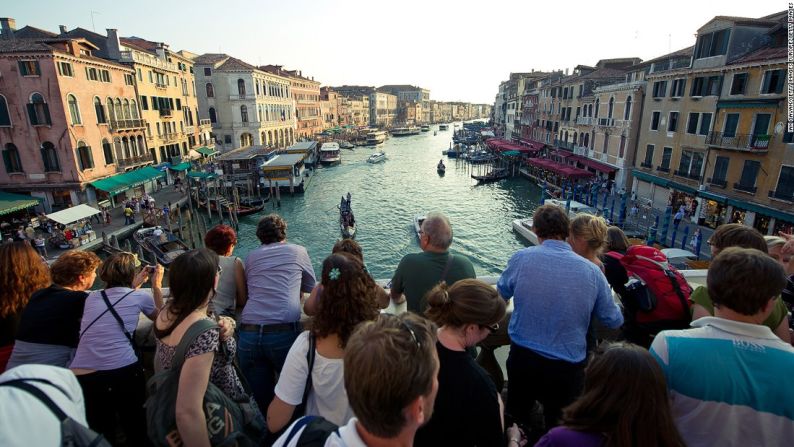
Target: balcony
[[663, 169], [782, 196], [166, 113], [739, 142], [241, 97], [160, 85], [127, 124], [564, 144], [585, 120], [170, 137], [134, 161], [646, 165], [205, 124], [606, 122], [190, 130], [245, 125], [718, 182], [744, 188]]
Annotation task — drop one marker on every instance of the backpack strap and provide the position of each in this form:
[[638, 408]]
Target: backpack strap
[[446, 268], [199, 327], [670, 274], [310, 354], [614, 255], [297, 426], [316, 433], [22, 384], [103, 313], [116, 315]]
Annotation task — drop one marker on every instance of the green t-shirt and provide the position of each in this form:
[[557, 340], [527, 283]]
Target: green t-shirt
[[418, 273], [701, 296]]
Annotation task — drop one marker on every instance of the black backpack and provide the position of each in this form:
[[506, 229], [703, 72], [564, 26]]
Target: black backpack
[[73, 433], [317, 431], [228, 422]]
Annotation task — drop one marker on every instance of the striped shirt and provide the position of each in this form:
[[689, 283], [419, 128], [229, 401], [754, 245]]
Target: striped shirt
[[730, 383]]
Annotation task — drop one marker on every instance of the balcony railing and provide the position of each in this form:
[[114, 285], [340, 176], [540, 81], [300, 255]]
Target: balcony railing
[[166, 112], [782, 196], [241, 97], [739, 142], [646, 165], [205, 123], [127, 124], [606, 122], [190, 130], [585, 120], [170, 137], [718, 182], [663, 169], [133, 161], [245, 125], [564, 144], [744, 188]]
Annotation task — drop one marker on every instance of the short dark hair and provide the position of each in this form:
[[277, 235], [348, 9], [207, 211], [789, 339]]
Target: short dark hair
[[737, 235], [744, 280], [119, 269], [220, 238], [349, 246], [551, 222], [617, 240], [389, 363], [271, 228]]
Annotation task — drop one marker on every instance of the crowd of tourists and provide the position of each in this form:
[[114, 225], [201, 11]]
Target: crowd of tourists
[[609, 344]]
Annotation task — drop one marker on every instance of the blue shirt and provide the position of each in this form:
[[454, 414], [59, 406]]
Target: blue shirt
[[555, 292], [276, 275]]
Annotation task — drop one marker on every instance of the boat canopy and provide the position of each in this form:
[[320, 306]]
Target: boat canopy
[[10, 202], [73, 214]]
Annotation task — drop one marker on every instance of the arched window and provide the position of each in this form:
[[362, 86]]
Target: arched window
[[39, 111], [627, 112], [257, 88], [107, 150], [134, 109], [119, 110], [127, 113], [11, 158], [133, 147], [117, 148], [84, 157], [126, 144], [100, 111], [210, 91], [241, 87], [213, 118], [574, 138], [111, 111], [244, 114], [141, 146], [598, 104], [5, 117], [611, 107], [586, 140], [50, 157]]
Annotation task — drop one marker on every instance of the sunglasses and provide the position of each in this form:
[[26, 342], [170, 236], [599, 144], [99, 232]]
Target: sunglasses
[[491, 327], [413, 334]]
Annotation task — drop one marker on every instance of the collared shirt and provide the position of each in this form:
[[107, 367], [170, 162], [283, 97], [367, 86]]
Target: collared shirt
[[276, 275], [555, 293], [729, 382], [345, 436]]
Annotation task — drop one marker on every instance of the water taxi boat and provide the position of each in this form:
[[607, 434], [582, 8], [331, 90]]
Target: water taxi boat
[[405, 131], [284, 171], [161, 243], [425, 128], [443, 127], [524, 226], [329, 154], [376, 137], [346, 145], [418, 219], [377, 157]]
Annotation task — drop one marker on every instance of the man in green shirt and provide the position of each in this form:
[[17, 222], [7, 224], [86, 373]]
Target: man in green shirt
[[417, 273]]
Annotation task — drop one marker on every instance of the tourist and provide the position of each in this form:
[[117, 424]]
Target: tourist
[[105, 363], [617, 244], [231, 291], [30, 233], [390, 377], [728, 376], [738, 235], [192, 278], [26, 421], [129, 214], [775, 245], [468, 408], [352, 247], [418, 273], [588, 237], [22, 272], [624, 403], [50, 325], [679, 215], [346, 302], [41, 245], [555, 294], [277, 275]]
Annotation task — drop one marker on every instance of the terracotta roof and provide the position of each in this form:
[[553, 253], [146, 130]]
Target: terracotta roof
[[604, 73], [235, 64], [210, 58], [679, 53], [762, 55], [22, 45], [30, 32]]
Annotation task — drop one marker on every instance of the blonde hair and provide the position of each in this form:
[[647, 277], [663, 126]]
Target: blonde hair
[[774, 241], [591, 228]]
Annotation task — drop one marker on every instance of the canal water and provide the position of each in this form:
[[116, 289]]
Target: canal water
[[385, 198]]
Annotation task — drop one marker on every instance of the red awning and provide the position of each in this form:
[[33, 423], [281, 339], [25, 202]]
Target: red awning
[[595, 164], [559, 168]]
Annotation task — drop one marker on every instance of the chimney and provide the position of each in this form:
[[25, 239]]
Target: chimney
[[62, 28], [114, 47], [160, 50], [566, 72], [9, 26]]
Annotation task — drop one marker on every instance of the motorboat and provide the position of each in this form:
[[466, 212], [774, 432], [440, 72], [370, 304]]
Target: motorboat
[[425, 128], [377, 157], [329, 154], [405, 131], [495, 175], [161, 243], [347, 222], [376, 137], [443, 127], [418, 220], [524, 226], [346, 145]]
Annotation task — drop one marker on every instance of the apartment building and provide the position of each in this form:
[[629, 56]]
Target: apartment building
[[306, 93], [329, 108], [382, 109], [245, 105]]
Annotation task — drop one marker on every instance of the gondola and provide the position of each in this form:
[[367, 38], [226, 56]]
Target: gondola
[[161, 243], [347, 222], [493, 176]]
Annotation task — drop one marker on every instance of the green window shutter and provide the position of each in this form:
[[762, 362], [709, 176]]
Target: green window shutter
[[7, 161], [46, 160], [32, 114], [47, 114]]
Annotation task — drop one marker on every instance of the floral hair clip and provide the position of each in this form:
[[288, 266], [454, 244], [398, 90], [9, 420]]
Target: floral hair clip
[[334, 274]]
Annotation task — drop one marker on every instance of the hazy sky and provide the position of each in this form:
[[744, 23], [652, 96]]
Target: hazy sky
[[460, 50]]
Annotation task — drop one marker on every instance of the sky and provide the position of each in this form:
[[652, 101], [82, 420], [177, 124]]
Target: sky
[[460, 50]]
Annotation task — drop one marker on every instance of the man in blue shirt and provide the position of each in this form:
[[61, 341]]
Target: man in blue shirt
[[555, 294]]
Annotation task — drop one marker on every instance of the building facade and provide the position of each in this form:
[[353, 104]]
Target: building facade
[[382, 109], [306, 93]]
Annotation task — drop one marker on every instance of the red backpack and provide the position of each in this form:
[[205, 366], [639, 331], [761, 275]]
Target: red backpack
[[658, 294]]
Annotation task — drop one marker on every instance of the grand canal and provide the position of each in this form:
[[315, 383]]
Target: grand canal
[[386, 196]]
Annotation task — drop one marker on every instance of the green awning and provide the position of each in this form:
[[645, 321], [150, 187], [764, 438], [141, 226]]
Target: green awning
[[184, 166], [642, 175], [712, 196], [10, 202], [511, 153], [748, 103], [202, 175], [771, 212], [122, 182], [682, 187], [205, 151]]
